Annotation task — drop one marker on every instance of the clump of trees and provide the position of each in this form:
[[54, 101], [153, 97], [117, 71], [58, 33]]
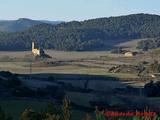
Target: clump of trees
[[150, 43], [10, 80], [152, 89]]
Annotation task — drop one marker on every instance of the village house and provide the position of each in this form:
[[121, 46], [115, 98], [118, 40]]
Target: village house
[[129, 54]]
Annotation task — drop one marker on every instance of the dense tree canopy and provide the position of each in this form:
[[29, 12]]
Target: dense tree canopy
[[95, 34], [150, 43]]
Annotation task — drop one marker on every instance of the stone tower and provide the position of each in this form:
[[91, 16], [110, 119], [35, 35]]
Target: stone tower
[[32, 46], [35, 51]]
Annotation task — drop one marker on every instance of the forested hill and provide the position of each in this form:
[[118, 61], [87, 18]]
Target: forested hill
[[22, 24], [17, 25], [95, 34]]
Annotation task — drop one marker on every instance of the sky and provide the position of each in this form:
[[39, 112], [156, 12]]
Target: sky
[[69, 10]]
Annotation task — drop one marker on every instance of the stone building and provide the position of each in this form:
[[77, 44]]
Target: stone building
[[36, 51]]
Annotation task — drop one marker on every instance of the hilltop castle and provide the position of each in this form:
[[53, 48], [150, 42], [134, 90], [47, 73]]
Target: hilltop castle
[[37, 51]]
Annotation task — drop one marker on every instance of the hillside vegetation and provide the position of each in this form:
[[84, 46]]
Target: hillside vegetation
[[17, 25], [150, 43], [95, 34], [22, 24]]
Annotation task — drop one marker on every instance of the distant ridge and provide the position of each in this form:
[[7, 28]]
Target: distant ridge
[[21, 24], [51, 22]]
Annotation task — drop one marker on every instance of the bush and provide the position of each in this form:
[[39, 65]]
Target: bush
[[23, 92], [152, 89]]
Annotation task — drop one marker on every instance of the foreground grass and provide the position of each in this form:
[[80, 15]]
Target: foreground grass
[[20, 110], [14, 108]]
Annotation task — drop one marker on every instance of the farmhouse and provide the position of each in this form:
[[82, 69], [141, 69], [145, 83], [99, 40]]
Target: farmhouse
[[129, 54]]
